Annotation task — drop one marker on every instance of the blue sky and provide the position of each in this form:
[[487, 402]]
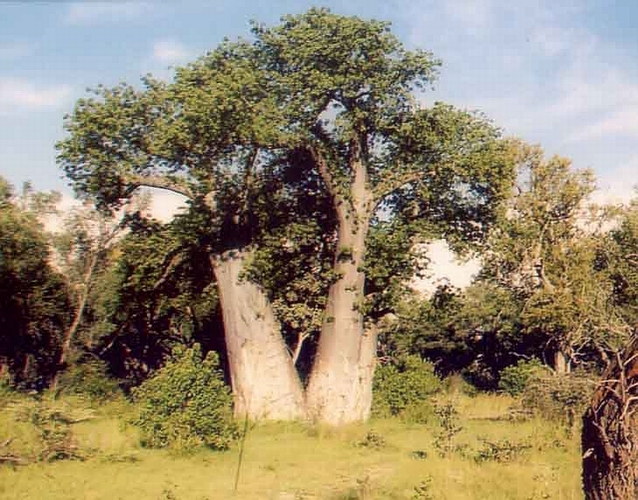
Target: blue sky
[[560, 73]]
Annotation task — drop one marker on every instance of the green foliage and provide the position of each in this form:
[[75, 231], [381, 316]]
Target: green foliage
[[33, 297], [562, 398], [618, 257], [450, 427], [155, 294], [402, 387], [90, 378], [186, 404], [421, 412], [427, 328], [503, 451], [372, 441], [515, 378], [545, 252]]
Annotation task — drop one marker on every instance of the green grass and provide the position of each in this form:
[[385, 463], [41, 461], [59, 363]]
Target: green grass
[[295, 461]]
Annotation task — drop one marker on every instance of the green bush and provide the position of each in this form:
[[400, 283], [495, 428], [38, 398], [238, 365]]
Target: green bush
[[502, 451], [186, 404], [403, 387], [559, 397], [372, 440], [49, 435], [515, 378], [450, 427], [88, 378]]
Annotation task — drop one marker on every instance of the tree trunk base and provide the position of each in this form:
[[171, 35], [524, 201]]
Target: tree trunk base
[[264, 380]]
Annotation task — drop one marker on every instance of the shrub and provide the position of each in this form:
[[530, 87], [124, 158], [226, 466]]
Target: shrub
[[51, 422], [503, 451], [186, 404], [372, 440], [421, 412], [558, 397], [515, 378], [402, 386], [88, 378], [450, 427]]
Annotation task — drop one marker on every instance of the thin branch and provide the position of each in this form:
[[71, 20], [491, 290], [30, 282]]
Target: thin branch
[[301, 337], [170, 262], [385, 189]]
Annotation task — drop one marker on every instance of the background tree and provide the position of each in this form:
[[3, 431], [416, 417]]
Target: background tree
[[546, 252], [608, 435], [33, 296], [82, 248], [156, 294]]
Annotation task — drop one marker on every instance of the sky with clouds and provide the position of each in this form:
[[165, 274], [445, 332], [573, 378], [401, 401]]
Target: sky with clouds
[[562, 73]]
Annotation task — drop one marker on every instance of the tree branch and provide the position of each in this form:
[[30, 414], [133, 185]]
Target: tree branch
[[170, 262], [385, 189], [327, 177], [137, 181]]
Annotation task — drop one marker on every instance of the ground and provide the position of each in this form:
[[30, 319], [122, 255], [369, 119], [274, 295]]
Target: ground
[[528, 459]]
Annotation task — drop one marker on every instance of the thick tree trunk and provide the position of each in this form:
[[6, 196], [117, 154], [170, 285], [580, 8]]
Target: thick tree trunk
[[609, 435], [340, 387], [562, 365], [264, 380]]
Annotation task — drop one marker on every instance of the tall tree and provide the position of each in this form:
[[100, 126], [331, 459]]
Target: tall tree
[[349, 99], [546, 252], [323, 94], [33, 297], [201, 136]]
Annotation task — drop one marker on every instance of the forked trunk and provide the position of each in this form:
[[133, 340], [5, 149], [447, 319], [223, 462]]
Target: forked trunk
[[340, 387], [610, 435], [264, 381]]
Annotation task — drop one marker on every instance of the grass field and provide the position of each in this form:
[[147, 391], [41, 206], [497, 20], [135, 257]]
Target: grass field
[[384, 459]]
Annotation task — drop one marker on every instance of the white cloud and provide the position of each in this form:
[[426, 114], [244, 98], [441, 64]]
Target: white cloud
[[15, 93], [617, 122], [445, 268], [620, 184], [164, 205], [170, 52], [474, 15], [99, 12]]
